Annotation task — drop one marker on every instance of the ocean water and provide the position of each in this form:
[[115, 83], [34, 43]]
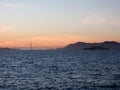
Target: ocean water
[[59, 70]]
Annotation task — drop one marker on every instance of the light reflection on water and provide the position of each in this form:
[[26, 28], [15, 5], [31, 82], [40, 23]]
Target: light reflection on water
[[60, 70]]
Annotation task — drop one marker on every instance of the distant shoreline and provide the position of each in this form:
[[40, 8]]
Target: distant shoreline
[[106, 45], [8, 49]]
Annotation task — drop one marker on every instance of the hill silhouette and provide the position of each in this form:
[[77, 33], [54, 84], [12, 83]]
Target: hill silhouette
[[111, 45], [1, 48], [96, 48]]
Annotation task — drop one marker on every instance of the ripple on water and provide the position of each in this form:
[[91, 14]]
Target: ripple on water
[[60, 70]]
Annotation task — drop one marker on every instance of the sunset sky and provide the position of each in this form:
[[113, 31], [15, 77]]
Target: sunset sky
[[56, 23]]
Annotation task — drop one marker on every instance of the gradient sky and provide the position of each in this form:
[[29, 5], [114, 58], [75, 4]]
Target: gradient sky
[[56, 23]]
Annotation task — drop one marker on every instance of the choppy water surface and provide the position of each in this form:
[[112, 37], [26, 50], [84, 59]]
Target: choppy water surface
[[59, 70]]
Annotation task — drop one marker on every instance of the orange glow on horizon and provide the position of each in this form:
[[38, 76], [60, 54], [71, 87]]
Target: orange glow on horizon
[[47, 42]]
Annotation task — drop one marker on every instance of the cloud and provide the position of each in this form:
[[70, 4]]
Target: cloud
[[99, 20], [94, 20]]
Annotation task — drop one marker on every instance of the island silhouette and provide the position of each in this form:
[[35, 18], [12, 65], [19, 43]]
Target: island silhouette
[[6, 48], [96, 48], [106, 45]]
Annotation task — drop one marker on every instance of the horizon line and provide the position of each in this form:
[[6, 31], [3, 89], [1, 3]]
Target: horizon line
[[30, 47]]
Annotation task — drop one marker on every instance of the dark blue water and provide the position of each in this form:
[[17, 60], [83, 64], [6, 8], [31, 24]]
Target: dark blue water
[[59, 70]]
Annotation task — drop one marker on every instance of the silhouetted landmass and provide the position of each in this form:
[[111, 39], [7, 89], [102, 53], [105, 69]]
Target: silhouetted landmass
[[7, 48], [111, 45], [96, 48]]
